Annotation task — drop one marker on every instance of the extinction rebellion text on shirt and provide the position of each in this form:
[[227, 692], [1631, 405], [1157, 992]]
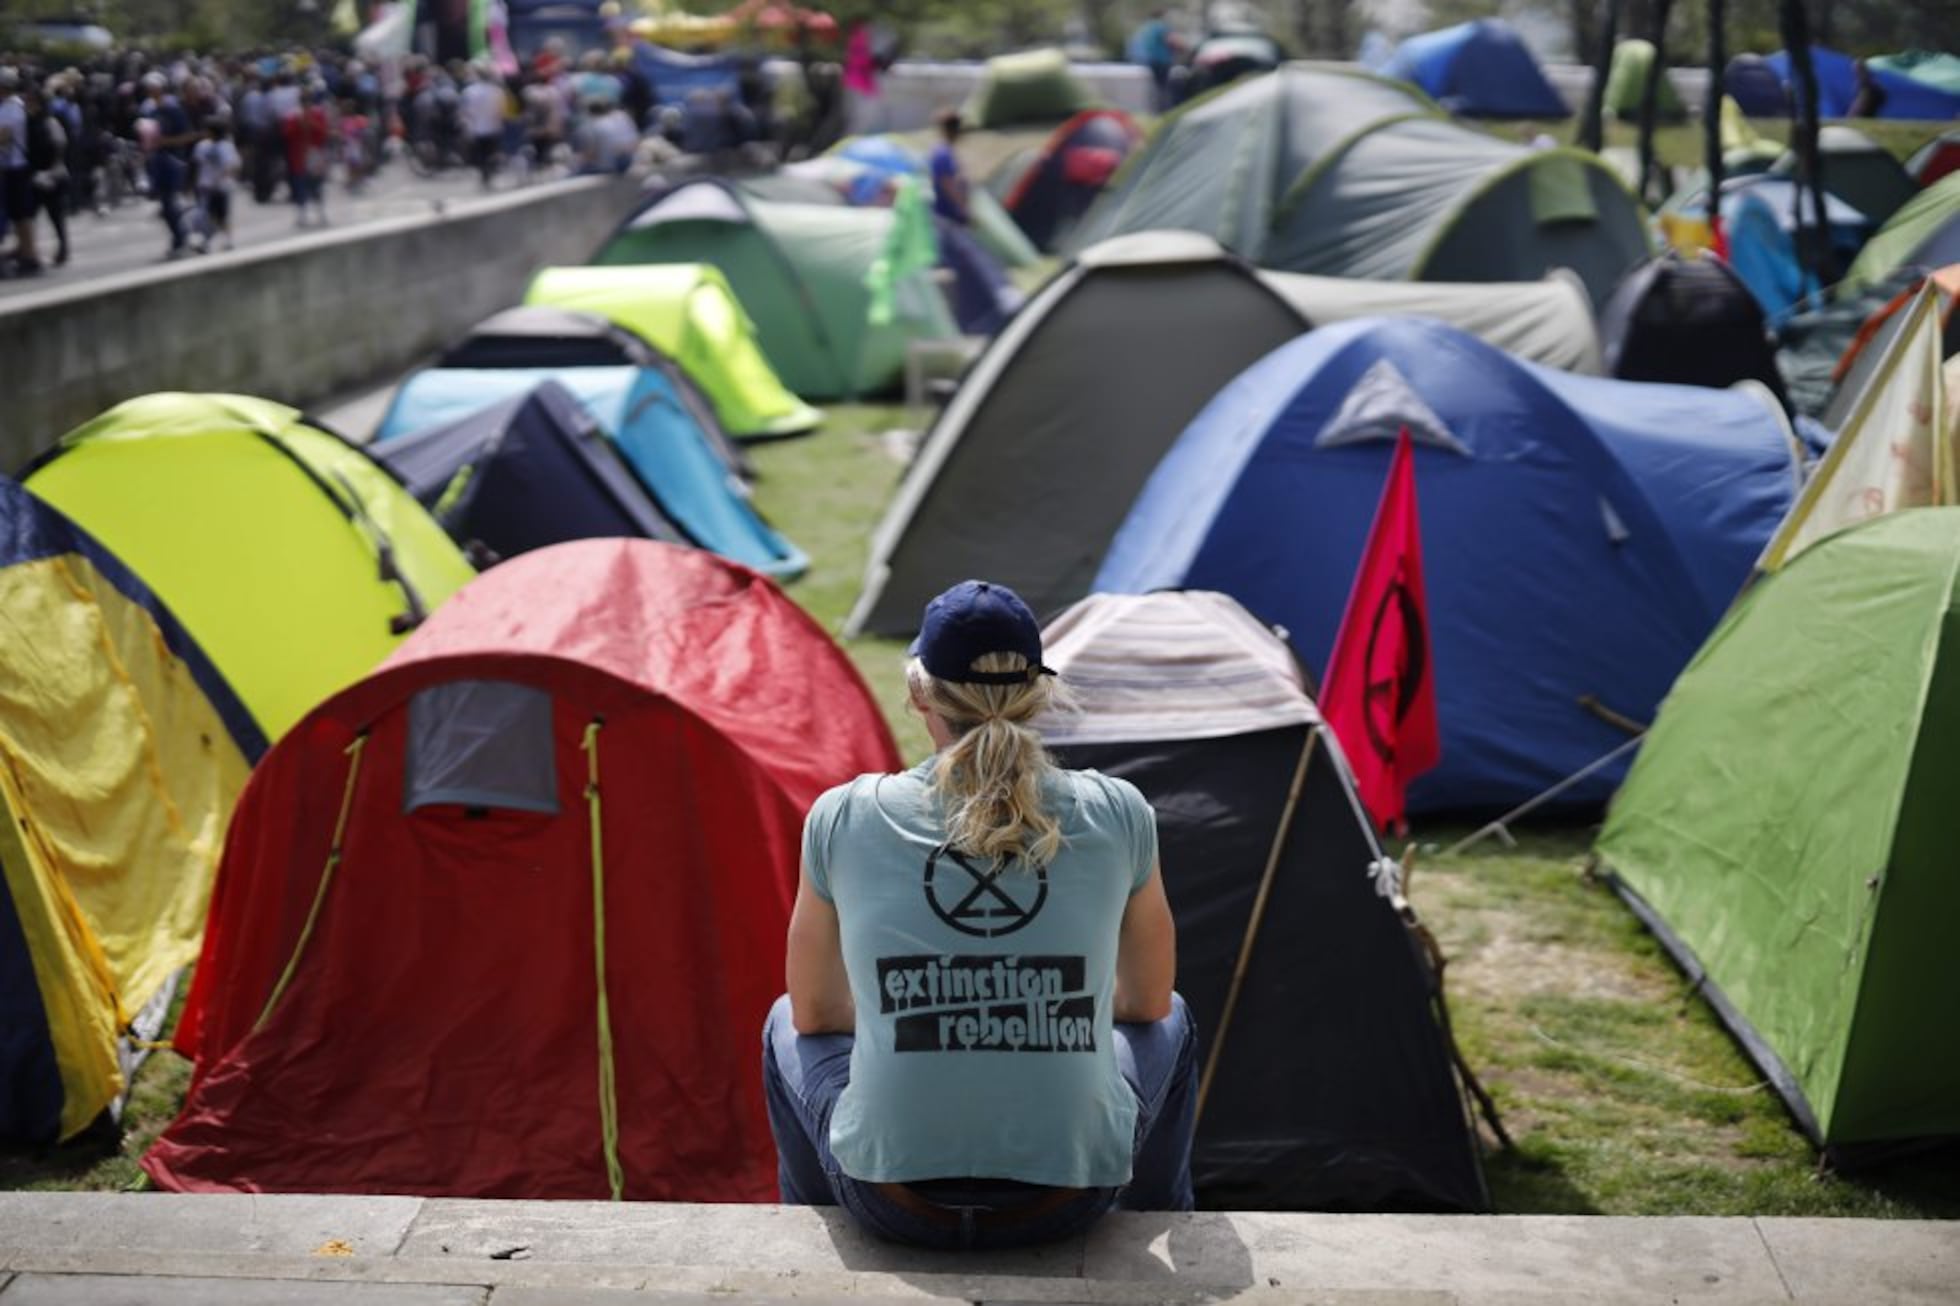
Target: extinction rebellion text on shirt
[[988, 1004]]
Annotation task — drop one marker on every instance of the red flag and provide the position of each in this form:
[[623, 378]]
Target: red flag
[[1379, 696]]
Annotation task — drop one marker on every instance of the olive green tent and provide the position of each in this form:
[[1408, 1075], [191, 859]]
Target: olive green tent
[[1859, 171], [801, 272], [1348, 175], [1924, 233], [1033, 86], [687, 312], [293, 559], [1626, 84], [1787, 828]]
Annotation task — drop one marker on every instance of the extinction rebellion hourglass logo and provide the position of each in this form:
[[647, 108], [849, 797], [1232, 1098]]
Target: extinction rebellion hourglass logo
[[977, 1003]]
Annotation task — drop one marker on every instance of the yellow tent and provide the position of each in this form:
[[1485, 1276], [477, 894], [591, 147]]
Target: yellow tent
[[291, 556], [122, 752]]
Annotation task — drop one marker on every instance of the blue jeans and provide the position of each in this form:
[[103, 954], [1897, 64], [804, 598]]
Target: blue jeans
[[803, 1075]]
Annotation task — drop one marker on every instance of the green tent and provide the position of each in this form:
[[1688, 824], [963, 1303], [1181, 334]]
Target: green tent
[[1033, 86], [688, 312], [1348, 175], [1626, 84], [1928, 66], [1787, 828], [1924, 233], [293, 558], [800, 271]]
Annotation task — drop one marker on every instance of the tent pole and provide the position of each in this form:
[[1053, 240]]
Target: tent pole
[[1500, 827], [1592, 127], [1280, 836], [1711, 111], [1650, 96]]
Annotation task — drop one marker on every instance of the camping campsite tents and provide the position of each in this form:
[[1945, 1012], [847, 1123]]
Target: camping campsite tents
[[688, 312], [1837, 88], [1343, 174], [1061, 181], [1626, 84], [528, 471], [1089, 383], [107, 849], [1031, 86], [1688, 321], [861, 169], [1191, 699], [294, 560], [1120, 310], [1581, 536], [1925, 234], [1858, 171], [1763, 215], [1223, 57], [1481, 69], [1861, 358], [534, 336], [649, 427], [1785, 830], [1756, 87], [799, 271], [581, 789]]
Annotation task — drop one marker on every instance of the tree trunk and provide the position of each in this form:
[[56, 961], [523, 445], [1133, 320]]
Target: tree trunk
[[1711, 114], [1814, 241], [1592, 128], [1651, 92]]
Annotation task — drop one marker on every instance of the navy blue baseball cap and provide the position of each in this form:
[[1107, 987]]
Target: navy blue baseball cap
[[971, 620]]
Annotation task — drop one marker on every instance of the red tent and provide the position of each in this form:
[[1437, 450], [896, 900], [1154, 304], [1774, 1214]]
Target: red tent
[[398, 990]]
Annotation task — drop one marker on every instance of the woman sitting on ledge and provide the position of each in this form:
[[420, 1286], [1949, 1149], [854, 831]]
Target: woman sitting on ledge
[[980, 1046]]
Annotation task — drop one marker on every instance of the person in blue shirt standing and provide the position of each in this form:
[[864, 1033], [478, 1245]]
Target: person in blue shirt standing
[[1152, 47], [980, 1046], [950, 195]]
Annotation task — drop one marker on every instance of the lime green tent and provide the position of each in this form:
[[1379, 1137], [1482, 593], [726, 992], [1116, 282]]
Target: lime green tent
[[1626, 84], [1343, 174], [800, 271], [689, 313], [1033, 86], [293, 559], [1787, 828], [1925, 232]]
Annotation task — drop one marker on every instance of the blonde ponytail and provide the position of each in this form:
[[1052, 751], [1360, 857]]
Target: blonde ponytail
[[989, 778]]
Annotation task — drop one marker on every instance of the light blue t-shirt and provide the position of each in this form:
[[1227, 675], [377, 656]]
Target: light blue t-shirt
[[983, 993]]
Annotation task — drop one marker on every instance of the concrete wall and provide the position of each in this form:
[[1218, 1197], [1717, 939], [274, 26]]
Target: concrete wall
[[296, 321]]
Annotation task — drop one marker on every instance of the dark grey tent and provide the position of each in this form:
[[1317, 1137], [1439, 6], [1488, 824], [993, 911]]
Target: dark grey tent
[[1027, 473], [1859, 171], [1345, 174], [536, 335], [532, 470], [1334, 1087], [1689, 321]]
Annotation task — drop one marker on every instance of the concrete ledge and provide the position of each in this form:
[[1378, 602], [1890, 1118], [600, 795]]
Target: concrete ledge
[[70, 1247], [297, 320]]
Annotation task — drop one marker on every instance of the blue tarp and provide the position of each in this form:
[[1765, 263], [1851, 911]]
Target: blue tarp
[[1837, 86], [1761, 215], [1479, 69], [1581, 536], [652, 429], [675, 76]]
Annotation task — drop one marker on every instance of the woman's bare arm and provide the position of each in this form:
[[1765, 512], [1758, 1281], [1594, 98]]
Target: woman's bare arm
[[1146, 954], [819, 988]]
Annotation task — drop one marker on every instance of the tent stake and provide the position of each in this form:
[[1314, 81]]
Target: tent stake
[[1500, 827], [1252, 923]]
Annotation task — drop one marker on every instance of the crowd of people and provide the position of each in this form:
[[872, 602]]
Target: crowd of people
[[187, 133]]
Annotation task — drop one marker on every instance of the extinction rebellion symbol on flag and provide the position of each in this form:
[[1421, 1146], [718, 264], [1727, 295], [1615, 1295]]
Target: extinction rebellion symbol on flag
[[1394, 664], [986, 903]]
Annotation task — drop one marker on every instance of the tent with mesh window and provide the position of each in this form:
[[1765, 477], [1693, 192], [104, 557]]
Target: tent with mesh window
[[504, 918]]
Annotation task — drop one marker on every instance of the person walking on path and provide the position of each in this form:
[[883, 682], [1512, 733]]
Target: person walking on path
[[16, 177], [483, 111], [980, 1046], [1153, 47], [950, 193], [216, 165], [47, 166], [309, 140]]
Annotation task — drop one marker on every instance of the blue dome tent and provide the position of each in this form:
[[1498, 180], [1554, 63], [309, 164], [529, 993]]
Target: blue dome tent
[[1837, 87], [1479, 69], [1581, 536], [651, 428]]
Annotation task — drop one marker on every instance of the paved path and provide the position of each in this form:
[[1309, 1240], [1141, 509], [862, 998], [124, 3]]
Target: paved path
[[132, 236], [340, 1251]]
